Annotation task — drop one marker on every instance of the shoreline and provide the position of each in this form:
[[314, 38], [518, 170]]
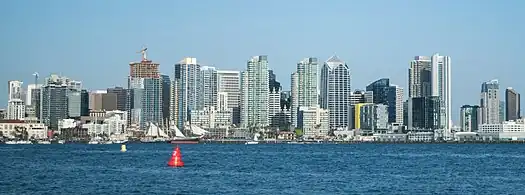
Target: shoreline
[[294, 142]]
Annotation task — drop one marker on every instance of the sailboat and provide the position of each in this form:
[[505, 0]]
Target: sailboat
[[255, 139], [180, 138], [154, 135]]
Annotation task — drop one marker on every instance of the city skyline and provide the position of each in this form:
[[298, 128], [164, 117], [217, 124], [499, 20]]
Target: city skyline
[[465, 39]]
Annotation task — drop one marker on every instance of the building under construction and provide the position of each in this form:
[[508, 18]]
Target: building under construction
[[145, 93]]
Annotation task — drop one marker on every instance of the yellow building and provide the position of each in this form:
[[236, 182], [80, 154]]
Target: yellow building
[[357, 114]]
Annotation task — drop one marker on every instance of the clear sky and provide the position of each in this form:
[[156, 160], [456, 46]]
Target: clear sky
[[94, 40]]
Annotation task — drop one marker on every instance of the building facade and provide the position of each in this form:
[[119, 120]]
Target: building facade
[[188, 90], [255, 89], [469, 118], [512, 104], [490, 102], [304, 86], [335, 91], [228, 83], [313, 121]]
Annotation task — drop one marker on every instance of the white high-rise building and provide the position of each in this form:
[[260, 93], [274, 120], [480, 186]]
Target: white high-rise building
[[15, 104], [14, 90], [335, 91], [209, 87], [228, 82], [441, 86], [29, 94], [187, 88], [304, 86], [490, 102], [255, 89], [399, 93]]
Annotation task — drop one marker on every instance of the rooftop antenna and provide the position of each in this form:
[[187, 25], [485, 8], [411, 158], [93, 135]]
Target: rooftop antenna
[[144, 53]]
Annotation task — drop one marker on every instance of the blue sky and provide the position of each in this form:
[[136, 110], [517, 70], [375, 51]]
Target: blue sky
[[94, 41]]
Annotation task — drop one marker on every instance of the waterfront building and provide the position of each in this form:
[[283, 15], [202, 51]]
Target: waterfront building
[[504, 131], [358, 97], [335, 91], [304, 86], [145, 93], [373, 118], [55, 99], [424, 113], [512, 104], [15, 105], [209, 86], [441, 87], [490, 102], [12, 128], [313, 121], [228, 82], [469, 118], [166, 95], [255, 97], [390, 95], [215, 121], [188, 93]]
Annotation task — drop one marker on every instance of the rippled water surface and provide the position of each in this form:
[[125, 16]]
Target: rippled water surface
[[264, 169]]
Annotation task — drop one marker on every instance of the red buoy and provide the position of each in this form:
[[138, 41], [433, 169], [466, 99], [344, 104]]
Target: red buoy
[[176, 159]]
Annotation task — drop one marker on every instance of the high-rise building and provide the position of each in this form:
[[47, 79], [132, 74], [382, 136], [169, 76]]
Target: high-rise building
[[490, 102], [209, 87], [380, 89], [358, 97], [30, 95], [121, 95], [15, 104], [84, 103], [305, 85], [390, 95], [502, 112], [166, 95], [441, 87], [469, 118], [100, 100], [188, 91], [419, 77], [512, 104], [255, 89], [274, 106], [228, 82], [74, 103], [55, 99], [395, 104], [423, 113], [335, 91], [373, 117], [145, 93]]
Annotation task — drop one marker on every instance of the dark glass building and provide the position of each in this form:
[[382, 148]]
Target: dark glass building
[[512, 104], [424, 113]]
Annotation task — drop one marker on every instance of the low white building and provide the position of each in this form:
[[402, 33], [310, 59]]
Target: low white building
[[507, 130], [313, 121], [209, 117], [34, 130], [113, 125], [420, 136]]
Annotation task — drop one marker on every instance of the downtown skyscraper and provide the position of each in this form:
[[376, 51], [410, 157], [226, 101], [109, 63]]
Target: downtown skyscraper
[[187, 83], [430, 86], [145, 93], [229, 86], [441, 87], [335, 92], [512, 104], [15, 104], [255, 93], [490, 102], [304, 87]]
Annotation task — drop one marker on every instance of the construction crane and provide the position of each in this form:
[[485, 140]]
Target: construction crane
[[143, 52], [36, 78]]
